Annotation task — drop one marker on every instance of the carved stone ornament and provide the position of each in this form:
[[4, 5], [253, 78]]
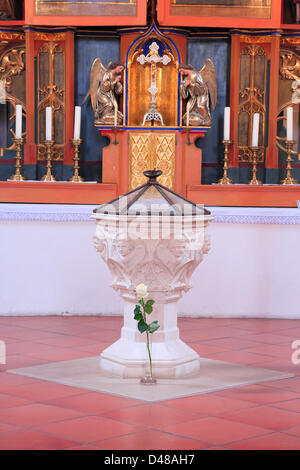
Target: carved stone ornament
[[159, 251]]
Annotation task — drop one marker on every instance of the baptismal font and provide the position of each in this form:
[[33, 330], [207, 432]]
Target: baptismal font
[[154, 236]]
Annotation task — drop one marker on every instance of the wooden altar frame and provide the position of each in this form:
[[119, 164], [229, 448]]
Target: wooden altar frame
[[166, 19], [139, 19]]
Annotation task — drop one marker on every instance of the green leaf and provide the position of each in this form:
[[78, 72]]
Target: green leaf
[[148, 306], [142, 326], [153, 326], [138, 316], [137, 309]]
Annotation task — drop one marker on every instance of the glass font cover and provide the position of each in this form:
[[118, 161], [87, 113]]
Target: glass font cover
[[152, 199]]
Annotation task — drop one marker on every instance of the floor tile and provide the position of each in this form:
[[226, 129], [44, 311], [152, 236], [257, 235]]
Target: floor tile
[[258, 394], [216, 430], [275, 441], [6, 401], [150, 440], [88, 429], [232, 343], [291, 405], [261, 416], [94, 402], [25, 347], [30, 440], [280, 351], [84, 447], [238, 357], [44, 391], [10, 381], [292, 384], [67, 341], [33, 415], [265, 416], [294, 431], [268, 338], [208, 404], [153, 416], [4, 428], [58, 354], [20, 360]]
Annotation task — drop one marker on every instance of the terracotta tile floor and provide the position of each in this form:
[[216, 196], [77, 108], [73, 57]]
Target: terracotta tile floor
[[35, 414]]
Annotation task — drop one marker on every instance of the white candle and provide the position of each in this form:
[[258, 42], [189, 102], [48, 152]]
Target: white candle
[[116, 114], [77, 122], [255, 130], [18, 121], [227, 123], [48, 123], [289, 123], [187, 115]]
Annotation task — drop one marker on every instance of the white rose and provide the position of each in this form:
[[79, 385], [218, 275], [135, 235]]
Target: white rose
[[141, 291]]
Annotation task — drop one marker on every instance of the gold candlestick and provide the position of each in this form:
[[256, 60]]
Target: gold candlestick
[[289, 179], [17, 175], [76, 178], [225, 179], [254, 179], [48, 176]]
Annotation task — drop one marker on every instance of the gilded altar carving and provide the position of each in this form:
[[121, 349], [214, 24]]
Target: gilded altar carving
[[12, 67], [139, 151], [11, 64], [252, 98], [151, 150], [290, 65], [199, 88], [289, 88], [152, 82], [51, 92], [5, 36], [40, 36]]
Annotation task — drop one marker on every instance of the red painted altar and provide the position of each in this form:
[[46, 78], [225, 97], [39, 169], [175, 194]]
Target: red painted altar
[[37, 52]]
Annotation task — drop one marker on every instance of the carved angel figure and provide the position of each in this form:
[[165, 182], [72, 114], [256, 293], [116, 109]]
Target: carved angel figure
[[105, 84], [200, 90], [7, 9]]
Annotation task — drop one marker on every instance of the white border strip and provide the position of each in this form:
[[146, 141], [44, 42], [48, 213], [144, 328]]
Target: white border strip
[[82, 213]]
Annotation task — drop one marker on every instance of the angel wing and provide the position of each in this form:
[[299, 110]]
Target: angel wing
[[209, 77], [96, 75]]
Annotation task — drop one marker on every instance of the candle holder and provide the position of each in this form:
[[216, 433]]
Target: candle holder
[[225, 179], [289, 179], [254, 179], [49, 150], [115, 130], [188, 130], [17, 176], [76, 178]]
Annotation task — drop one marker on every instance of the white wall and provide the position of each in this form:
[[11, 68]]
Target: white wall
[[48, 264]]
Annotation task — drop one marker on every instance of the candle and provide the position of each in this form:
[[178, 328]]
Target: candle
[[187, 115], [77, 122], [255, 130], [48, 123], [2, 92], [289, 123], [18, 121], [116, 114], [227, 123]]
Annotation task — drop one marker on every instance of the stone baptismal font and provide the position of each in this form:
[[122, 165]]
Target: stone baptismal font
[[153, 236]]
